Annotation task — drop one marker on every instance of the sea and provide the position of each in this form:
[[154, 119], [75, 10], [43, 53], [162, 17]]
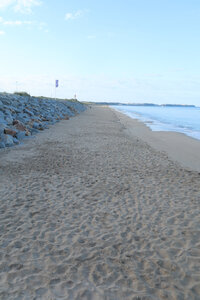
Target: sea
[[183, 119]]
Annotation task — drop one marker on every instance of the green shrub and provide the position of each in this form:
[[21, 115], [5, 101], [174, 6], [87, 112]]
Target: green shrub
[[25, 94]]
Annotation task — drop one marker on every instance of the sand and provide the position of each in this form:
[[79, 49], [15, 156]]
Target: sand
[[179, 147], [90, 211]]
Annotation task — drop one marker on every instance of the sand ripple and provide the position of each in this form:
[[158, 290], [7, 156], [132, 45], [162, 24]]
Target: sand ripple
[[88, 213]]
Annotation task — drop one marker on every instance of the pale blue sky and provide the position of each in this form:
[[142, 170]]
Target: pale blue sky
[[122, 50]]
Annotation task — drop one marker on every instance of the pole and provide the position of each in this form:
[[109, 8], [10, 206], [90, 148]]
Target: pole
[[56, 85]]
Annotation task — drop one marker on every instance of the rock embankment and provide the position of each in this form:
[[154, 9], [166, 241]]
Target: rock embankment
[[23, 116]]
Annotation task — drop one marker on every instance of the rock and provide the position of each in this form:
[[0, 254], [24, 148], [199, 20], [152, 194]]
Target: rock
[[15, 122], [36, 125], [37, 119], [8, 140], [17, 110], [33, 130], [9, 120], [5, 102], [2, 127], [8, 113], [30, 113], [3, 121], [28, 133], [2, 118], [21, 135], [19, 126], [21, 116], [2, 145], [15, 140], [10, 131], [2, 114]]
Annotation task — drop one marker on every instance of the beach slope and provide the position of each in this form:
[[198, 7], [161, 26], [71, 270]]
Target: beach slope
[[89, 211]]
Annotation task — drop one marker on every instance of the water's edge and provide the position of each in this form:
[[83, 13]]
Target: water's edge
[[181, 120]]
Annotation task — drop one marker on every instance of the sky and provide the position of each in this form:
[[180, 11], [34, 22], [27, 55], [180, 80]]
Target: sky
[[129, 51]]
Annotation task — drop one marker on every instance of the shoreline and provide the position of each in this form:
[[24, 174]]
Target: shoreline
[[179, 147], [89, 211]]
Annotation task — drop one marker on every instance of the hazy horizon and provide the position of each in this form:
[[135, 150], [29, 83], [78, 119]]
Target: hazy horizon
[[113, 51]]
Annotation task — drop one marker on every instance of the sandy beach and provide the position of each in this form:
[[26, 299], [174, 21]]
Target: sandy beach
[[98, 208]]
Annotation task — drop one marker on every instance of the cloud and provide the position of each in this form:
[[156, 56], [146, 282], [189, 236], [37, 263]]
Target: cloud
[[73, 16], [15, 23], [6, 3], [91, 37], [2, 32], [25, 6], [42, 26], [21, 6]]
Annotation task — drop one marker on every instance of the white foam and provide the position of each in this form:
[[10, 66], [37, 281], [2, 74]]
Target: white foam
[[185, 120]]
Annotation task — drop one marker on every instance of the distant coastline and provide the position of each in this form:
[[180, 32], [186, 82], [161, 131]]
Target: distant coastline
[[140, 104]]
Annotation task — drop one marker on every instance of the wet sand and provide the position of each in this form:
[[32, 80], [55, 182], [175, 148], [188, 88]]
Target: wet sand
[[181, 148], [90, 210]]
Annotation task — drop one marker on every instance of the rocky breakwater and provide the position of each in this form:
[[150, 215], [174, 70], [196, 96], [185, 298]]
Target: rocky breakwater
[[22, 115]]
